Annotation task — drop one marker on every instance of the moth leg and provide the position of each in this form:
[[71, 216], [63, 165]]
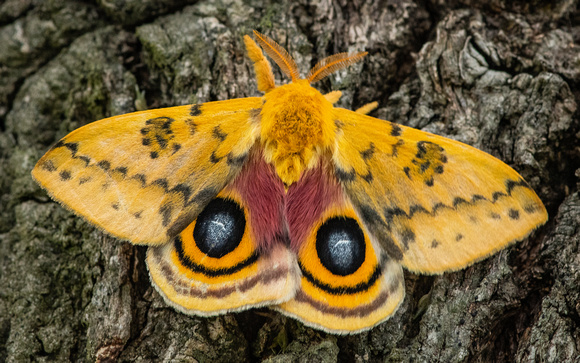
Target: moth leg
[[333, 96], [367, 108]]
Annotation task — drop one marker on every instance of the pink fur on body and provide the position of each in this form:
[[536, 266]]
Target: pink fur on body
[[277, 216], [263, 193], [307, 199]]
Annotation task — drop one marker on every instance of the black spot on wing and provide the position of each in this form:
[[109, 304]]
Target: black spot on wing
[[457, 201], [438, 206], [396, 130], [162, 182], [195, 110], [192, 126], [214, 159], [182, 189], [343, 176], [514, 214], [390, 247], [511, 184], [414, 209], [84, 180], [158, 135], [203, 197], [421, 149], [59, 144], [48, 165], [368, 153], [407, 171], [435, 243], [64, 175], [104, 164], [73, 147], [370, 216], [368, 177], [458, 237], [165, 211], [238, 160], [161, 141], [531, 208], [86, 160], [396, 146], [121, 170], [219, 134], [390, 213], [141, 178], [496, 195], [408, 236]]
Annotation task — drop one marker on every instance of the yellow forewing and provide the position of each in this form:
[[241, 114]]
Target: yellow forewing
[[145, 176], [433, 203]]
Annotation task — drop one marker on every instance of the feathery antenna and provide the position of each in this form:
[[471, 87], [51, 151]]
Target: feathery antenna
[[278, 55], [332, 64]]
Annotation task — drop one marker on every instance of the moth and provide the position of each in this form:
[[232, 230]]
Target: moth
[[286, 201]]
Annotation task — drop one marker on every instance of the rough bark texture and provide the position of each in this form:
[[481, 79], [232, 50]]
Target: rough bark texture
[[501, 75]]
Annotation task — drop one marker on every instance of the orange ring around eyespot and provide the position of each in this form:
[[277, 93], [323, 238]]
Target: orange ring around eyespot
[[243, 253], [310, 261], [342, 301]]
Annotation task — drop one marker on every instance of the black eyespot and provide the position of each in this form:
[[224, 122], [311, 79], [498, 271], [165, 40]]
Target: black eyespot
[[340, 244], [219, 228]]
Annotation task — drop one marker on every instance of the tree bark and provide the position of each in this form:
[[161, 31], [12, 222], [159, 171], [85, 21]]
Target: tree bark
[[502, 76]]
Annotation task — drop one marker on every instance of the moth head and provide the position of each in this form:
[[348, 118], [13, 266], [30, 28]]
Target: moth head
[[297, 121]]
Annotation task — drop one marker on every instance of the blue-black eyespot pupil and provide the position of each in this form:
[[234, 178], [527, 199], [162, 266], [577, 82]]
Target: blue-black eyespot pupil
[[340, 245], [219, 228]]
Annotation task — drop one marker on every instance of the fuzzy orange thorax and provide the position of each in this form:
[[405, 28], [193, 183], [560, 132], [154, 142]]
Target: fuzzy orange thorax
[[296, 119], [297, 125]]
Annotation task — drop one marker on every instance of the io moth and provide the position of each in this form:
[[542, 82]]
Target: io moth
[[287, 201]]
